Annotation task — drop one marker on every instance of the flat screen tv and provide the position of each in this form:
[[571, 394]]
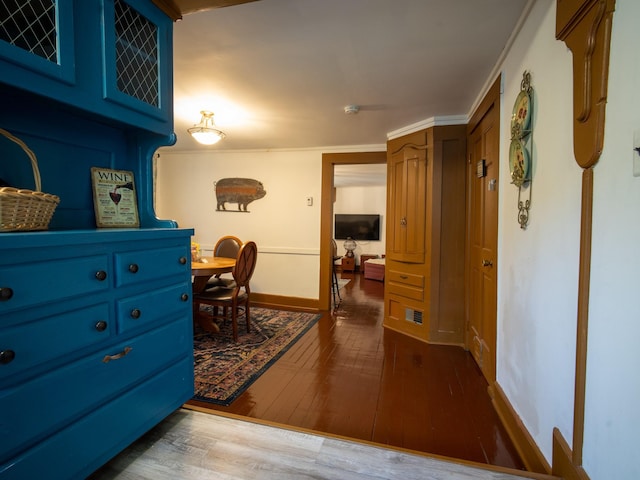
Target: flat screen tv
[[357, 226]]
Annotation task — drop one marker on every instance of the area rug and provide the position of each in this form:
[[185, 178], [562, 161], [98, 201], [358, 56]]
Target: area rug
[[224, 369]]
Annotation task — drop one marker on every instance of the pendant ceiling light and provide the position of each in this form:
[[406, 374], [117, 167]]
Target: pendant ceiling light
[[206, 132]]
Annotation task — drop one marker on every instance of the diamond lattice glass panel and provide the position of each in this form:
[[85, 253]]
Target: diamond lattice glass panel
[[30, 25], [136, 54]]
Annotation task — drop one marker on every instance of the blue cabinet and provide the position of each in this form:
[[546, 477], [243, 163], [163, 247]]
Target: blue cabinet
[[96, 341], [85, 84], [80, 332], [107, 57]]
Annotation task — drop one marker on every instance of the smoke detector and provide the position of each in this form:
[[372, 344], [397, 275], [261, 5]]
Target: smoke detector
[[351, 109]]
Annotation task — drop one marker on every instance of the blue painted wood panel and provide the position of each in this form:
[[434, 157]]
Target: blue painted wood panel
[[84, 75], [80, 376]]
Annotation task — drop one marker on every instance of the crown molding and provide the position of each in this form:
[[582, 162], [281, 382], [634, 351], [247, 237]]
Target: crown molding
[[428, 123]]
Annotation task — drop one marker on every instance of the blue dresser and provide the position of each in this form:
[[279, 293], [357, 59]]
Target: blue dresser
[[95, 324]]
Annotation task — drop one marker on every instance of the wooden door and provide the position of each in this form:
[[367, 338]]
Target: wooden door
[[406, 199], [483, 170], [395, 204], [415, 203]]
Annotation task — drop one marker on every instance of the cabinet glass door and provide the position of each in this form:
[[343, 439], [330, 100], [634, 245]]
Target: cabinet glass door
[[31, 26], [38, 35], [135, 44], [136, 54]]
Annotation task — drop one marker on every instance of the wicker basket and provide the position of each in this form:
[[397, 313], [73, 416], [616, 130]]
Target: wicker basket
[[22, 209]]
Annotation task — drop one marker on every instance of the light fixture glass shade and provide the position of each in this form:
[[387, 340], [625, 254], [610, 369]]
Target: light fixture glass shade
[[349, 245], [206, 132]]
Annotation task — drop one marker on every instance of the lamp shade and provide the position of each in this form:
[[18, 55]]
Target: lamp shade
[[206, 132], [349, 245]]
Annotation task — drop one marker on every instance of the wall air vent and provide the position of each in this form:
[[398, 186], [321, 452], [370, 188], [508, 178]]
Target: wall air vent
[[412, 315]]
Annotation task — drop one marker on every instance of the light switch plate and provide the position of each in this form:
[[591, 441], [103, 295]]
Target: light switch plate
[[309, 201], [636, 153]]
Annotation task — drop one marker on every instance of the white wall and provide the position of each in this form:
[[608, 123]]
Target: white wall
[[538, 266], [286, 230], [367, 200], [613, 384], [538, 274]]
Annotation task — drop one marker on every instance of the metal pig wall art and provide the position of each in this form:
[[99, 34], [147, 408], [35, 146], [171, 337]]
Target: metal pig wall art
[[242, 191]]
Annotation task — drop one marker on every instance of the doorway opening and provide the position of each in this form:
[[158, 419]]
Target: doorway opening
[[329, 162]]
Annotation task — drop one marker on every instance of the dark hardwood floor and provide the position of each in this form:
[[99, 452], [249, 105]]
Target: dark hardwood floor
[[349, 376]]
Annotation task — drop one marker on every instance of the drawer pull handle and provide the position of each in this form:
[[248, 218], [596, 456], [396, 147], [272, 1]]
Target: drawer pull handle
[[117, 356], [5, 294], [135, 313], [101, 275], [101, 326], [183, 260], [184, 297], [403, 277], [7, 356], [133, 268]]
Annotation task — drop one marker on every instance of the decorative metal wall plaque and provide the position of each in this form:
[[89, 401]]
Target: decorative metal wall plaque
[[114, 198], [241, 191], [520, 148]]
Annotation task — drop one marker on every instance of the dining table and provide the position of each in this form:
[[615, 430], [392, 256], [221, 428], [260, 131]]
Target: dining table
[[202, 270], [206, 268]]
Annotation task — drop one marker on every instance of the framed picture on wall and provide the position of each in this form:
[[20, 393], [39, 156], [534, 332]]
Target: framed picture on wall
[[114, 198]]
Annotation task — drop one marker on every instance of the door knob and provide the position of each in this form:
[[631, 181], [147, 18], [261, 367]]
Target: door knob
[[487, 263]]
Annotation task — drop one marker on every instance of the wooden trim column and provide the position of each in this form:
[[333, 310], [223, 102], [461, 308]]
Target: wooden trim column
[[585, 26]]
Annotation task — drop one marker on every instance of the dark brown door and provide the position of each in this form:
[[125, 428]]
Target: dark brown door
[[483, 169]]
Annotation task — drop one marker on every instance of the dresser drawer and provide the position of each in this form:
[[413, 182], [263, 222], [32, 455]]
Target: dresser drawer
[[104, 432], [35, 409], [146, 265], [147, 309], [53, 280], [53, 340], [404, 278], [405, 284], [406, 291]]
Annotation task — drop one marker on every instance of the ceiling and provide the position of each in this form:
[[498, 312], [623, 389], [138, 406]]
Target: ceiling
[[278, 73]]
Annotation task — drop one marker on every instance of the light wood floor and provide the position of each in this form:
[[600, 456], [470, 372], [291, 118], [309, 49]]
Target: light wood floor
[[349, 376], [191, 445]]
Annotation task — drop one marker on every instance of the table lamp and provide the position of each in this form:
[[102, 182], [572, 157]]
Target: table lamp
[[350, 245]]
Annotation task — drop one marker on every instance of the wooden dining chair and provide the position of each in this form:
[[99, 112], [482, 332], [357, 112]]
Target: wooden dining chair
[[233, 301], [335, 288], [227, 247]]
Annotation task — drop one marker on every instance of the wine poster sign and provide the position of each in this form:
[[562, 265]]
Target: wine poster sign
[[114, 198]]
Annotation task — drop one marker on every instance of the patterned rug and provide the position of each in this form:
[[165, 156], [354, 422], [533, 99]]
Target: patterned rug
[[225, 369]]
